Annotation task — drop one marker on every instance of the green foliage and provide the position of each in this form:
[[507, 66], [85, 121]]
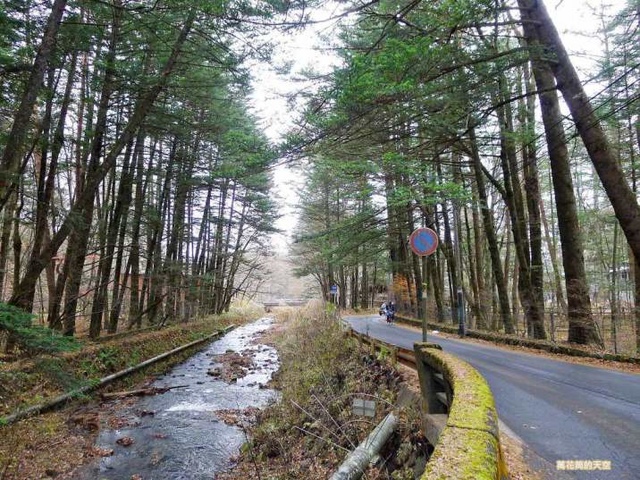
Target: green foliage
[[384, 353], [33, 338], [134, 358], [59, 373], [107, 359]]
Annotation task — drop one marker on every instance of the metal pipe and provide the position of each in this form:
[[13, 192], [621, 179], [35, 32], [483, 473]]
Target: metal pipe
[[61, 399], [357, 462]]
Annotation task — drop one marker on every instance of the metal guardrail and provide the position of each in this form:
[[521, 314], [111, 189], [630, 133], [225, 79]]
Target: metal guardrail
[[459, 416]]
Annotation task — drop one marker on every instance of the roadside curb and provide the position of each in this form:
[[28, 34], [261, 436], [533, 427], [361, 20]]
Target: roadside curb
[[522, 342], [468, 448], [459, 415]]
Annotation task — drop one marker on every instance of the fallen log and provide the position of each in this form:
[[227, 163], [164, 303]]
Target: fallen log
[[140, 392]]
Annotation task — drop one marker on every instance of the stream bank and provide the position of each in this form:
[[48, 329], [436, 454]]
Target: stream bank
[[191, 431], [314, 426], [54, 444]]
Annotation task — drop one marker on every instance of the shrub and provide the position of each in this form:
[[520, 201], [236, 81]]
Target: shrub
[[31, 338]]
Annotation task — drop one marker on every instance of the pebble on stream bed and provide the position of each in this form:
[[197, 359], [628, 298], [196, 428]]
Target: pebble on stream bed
[[232, 366]]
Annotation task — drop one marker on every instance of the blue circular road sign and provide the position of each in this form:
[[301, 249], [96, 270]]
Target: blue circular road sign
[[423, 241]]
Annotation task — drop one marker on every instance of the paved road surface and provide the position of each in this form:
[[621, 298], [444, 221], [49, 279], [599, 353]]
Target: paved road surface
[[562, 411]]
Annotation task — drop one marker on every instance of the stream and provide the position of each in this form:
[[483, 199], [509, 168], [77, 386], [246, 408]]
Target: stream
[[180, 434]]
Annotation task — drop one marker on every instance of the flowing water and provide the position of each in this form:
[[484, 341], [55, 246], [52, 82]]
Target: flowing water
[[178, 434]]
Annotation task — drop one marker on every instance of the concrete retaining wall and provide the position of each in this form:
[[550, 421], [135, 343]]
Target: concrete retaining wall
[[459, 408]]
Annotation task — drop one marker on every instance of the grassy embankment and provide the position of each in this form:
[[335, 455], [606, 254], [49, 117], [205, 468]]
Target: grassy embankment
[[309, 432]]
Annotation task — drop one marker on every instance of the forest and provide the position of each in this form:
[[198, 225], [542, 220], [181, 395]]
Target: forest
[[470, 118], [136, 183]]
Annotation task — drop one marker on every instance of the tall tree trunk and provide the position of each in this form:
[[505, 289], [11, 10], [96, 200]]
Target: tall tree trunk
[[45, 194], [533, 311], [219, 248], [449, 254], [13, 150], [136, 299], [122, 201], [17, 238], [155, 277], [582, 328], [482, 274], [79, 240], [24, 291], [474, 282], [119, 283], [532, 190], [63, 263], [506, 320], [8, 216], [541, 30], [551, 246], [174, 259]]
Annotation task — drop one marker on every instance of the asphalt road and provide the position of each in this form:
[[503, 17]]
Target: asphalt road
[[561, 411]]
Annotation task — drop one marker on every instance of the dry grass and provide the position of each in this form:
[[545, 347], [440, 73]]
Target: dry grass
[[310, 431], [42, 447]]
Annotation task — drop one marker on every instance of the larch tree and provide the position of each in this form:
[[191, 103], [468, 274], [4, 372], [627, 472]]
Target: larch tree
[[123, 127]]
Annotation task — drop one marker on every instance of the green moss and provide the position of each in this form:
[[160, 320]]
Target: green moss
[[463, 454], [473, 406], [469, 446]]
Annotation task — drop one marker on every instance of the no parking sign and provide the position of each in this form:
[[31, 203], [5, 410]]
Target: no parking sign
[[423, 241]]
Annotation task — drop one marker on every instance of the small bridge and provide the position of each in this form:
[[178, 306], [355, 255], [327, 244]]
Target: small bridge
[[284, 302]]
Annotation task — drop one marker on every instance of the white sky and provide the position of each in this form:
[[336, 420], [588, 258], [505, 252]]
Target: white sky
[[576, 20], [306, 51]]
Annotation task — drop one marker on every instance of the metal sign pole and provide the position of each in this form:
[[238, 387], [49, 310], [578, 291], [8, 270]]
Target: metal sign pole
[[424, 242], [460, 299], [424, 316]]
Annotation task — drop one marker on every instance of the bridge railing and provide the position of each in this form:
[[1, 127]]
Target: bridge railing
[[459, 417]]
